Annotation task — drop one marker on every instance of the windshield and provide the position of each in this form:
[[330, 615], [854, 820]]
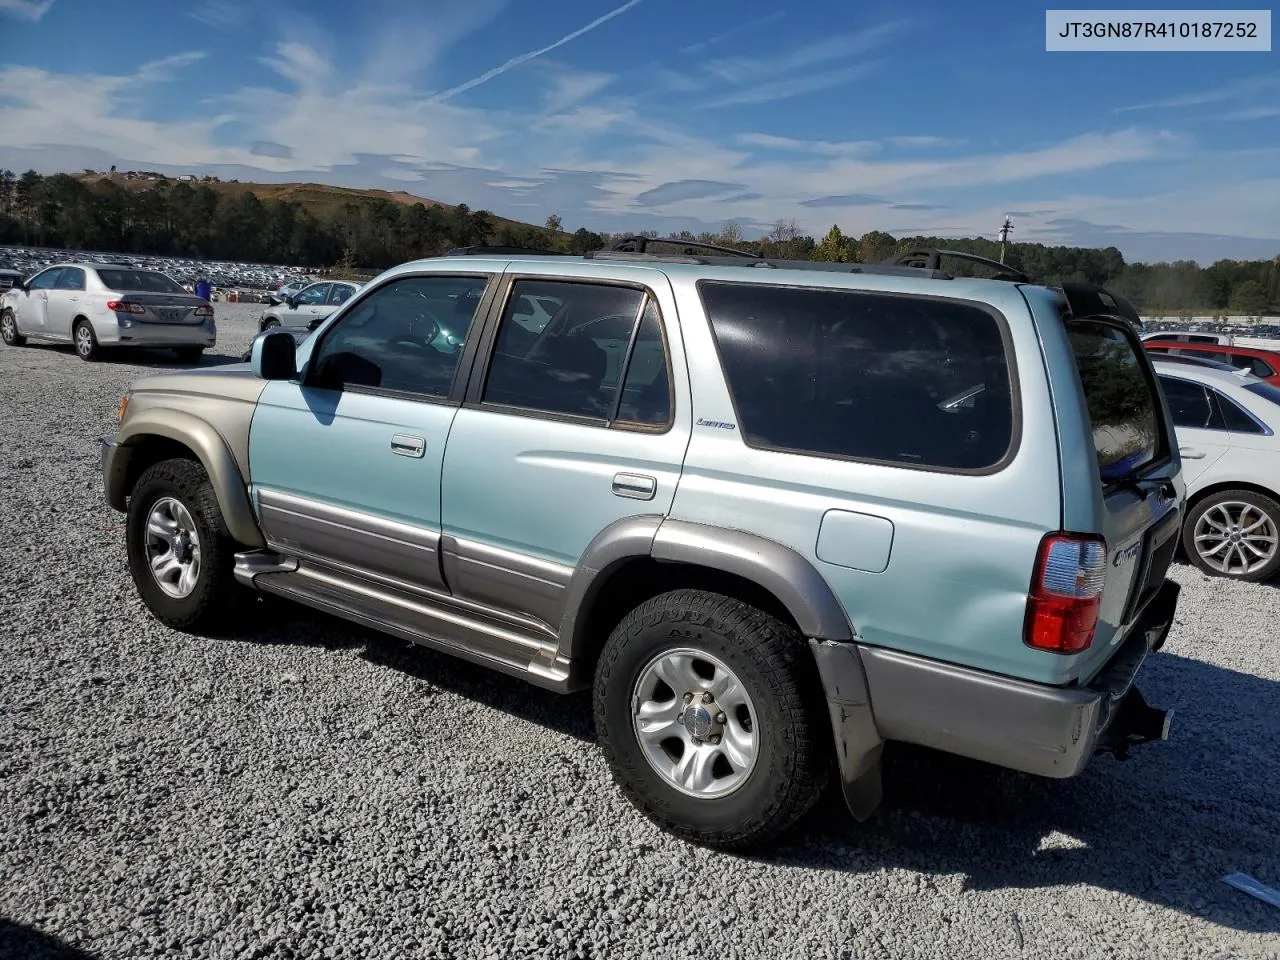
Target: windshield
[[142, 281], [1263, 389], [1121, 399]]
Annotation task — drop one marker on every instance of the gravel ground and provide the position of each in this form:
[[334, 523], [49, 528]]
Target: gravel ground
[[307, 790]]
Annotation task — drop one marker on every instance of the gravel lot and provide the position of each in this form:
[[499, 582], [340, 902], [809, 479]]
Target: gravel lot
[[304, 789]]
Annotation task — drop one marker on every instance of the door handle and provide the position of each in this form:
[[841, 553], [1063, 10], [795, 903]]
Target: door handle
[[407, 446], [634, 486], [1190, 454]]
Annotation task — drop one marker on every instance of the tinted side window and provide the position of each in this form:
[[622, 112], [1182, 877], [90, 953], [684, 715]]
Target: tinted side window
[[1190, 405], [406, 336], [870, 376], [1121, 400], [571, 362], [1233, 418], [340, 293], [1258, 366], [72, 278], [646, 389], [313, 295], [45, 281]]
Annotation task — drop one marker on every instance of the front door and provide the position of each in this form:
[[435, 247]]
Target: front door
[[1201, 429], [345, 462], [548, 451], [309, 304], [33, 303], [65, 302]]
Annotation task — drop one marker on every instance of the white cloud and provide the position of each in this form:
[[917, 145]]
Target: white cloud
[[569, 87], [164, 69], [795, 86], [31, 10], [220, 14], [1230, 91], [766, 20], [533, 54], [851, 148]]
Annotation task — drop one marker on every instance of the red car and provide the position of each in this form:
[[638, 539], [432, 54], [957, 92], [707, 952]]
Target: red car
[[1263, 363]]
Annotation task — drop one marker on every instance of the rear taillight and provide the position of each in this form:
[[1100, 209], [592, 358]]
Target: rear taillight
[[124, 306], [205, 311], [1066, 592]]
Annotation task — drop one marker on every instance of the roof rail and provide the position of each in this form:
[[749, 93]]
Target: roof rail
[[639, 244], [929, 259], [631, 255], [483, 251]]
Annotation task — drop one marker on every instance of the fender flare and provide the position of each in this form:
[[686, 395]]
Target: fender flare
[[771, 565], [210, 449]]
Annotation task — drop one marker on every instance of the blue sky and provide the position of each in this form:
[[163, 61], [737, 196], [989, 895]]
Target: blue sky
[[935, 117]]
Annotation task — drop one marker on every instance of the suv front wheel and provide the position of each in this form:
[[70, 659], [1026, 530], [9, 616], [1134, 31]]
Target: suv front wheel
[[180, 555], [707, 710]]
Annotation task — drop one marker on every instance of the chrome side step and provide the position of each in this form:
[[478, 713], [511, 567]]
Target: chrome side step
[[513, 652]]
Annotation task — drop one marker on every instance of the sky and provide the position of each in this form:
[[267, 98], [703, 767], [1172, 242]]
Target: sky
[[933, 118]]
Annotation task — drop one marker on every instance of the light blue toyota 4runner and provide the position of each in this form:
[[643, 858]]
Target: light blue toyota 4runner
[[775, 513]]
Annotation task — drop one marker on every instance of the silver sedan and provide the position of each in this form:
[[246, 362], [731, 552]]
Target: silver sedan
[[95, 306]]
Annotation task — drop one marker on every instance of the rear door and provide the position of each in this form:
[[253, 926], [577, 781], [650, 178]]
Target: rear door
[[1134, 445]]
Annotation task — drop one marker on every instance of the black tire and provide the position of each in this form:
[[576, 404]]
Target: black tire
[[268, 323], [1230, 502], [85, 340], [191, 355], [9, 330], [216, 593], [793, 761]]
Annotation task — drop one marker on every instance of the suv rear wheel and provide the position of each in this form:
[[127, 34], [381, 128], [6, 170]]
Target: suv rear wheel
[[180, 554], [706, 711], [1236, 534]]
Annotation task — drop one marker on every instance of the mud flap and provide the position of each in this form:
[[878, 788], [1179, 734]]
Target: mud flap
[[857, 740]]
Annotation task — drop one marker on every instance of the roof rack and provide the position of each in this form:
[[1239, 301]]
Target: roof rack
[[639, 244], [483, 251], [932, 260]]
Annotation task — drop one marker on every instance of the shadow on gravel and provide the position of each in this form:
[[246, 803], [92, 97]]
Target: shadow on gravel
[[155, 358], [24, 943], [1164, 826], [280, 621]]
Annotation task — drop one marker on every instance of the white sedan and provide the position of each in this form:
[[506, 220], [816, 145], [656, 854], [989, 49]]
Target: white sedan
[[1228, 427], [97, 305]]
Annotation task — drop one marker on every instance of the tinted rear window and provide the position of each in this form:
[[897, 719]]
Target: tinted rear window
[[913, 381], [1121, 399], [140, 281], [1267, 390]]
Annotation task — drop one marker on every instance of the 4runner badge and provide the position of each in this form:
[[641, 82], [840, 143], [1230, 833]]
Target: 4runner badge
[[1127, 554], [717, 423]]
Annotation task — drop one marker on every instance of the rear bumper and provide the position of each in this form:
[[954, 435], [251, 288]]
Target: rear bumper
[[1044, 730], [157, 335]]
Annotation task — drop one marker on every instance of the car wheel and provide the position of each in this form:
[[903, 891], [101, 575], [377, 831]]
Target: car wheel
[[86, 340], [9, 330], [190, 355], [710, 714], [269, 323], [1236, 534], [181, 557]]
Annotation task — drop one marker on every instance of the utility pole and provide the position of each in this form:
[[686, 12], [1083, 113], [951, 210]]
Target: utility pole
[[1005, 230]]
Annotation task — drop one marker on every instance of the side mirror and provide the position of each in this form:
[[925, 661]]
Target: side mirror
[[292, 303], [274, 356]]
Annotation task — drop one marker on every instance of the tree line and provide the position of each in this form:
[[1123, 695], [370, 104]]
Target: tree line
[[176, 218]]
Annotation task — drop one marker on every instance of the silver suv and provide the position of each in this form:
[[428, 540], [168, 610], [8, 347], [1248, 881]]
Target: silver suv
[[773, 513]]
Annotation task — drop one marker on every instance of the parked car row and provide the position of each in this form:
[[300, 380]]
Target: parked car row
[[27, 261]]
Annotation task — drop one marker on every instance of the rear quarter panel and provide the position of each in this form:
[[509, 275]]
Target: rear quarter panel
[[961, 547]]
